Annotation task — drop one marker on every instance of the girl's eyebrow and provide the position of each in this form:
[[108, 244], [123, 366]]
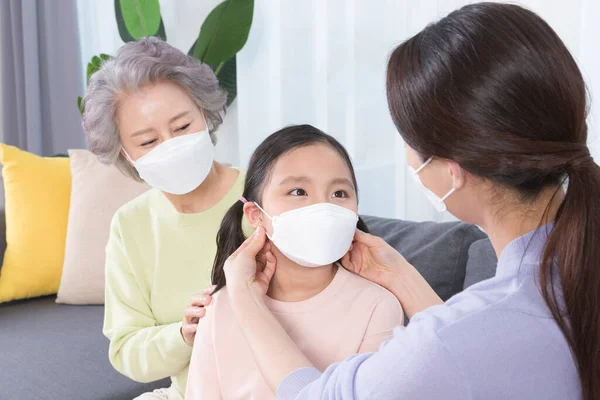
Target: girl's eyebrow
[[305, 179], [294, 179], [342, 181]]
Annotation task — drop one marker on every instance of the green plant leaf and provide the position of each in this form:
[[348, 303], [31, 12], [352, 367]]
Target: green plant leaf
[[224, 32], [79, 105], [227, 75], [124, 33], [95, 64], [141, 17], [161, 31], [193, 49]]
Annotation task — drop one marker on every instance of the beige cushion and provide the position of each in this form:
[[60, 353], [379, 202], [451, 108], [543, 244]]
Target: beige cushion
[[97, 192]]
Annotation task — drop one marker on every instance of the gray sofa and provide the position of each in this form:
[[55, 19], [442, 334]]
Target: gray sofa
[[57, 352]]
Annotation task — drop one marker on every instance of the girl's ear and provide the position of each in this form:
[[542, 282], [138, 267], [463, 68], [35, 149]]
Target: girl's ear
[[253, 214]]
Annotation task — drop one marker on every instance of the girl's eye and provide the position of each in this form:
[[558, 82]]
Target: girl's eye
[[148, 143], [182, 128], [298, 192], [340, 194]]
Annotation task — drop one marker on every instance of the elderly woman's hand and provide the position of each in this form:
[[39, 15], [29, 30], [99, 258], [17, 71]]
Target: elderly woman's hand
[[193, 313]]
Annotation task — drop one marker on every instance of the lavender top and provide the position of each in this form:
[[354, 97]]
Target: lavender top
[[495, 340]]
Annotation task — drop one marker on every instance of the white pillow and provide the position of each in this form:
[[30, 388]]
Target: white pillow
[[97, 192]]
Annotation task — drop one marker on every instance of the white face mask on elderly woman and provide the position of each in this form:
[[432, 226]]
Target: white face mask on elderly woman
[[178, 165], [315, 235], [438, 203]]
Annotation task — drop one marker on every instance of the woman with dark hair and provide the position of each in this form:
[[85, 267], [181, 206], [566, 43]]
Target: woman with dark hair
[[492, 108]]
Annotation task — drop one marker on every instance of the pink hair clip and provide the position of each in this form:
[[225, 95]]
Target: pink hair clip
[[243, 199]]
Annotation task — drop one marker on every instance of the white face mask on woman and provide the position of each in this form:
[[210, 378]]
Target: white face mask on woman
[[438, 203], [315, 235], [178, 165]]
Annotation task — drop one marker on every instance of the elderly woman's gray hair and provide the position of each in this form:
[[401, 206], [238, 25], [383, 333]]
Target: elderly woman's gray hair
[[137, 64]]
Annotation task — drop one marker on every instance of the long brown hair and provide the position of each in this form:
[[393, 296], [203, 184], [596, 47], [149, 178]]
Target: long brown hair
[[493, 88]]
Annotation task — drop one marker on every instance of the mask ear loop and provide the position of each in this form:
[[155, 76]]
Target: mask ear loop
[[243, 200], [430, 159], [127, 155], [448, 194]]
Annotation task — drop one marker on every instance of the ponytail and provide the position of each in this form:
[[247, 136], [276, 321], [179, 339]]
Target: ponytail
[[229, 238], [573, 254]]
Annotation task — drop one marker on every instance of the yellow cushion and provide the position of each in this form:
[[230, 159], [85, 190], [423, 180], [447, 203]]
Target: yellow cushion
[[37, 192]]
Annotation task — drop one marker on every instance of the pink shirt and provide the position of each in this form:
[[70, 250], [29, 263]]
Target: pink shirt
[[351, 315]]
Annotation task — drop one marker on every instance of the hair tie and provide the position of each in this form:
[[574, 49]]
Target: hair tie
[[582, 160], [243, 199]]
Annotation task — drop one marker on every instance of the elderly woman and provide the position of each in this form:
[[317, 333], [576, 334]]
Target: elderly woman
[[152, 111]]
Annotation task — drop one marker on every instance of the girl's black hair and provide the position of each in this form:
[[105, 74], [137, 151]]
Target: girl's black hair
[[231, 235]]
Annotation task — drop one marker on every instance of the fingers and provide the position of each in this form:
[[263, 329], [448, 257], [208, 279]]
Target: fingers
[[346, 260], [189, 331], [270, 266], [261, 258], [201, 299], [193, 312], [269, 270], [267, 247], [208, 290], [348, 264], [367, 239], [243, 246], [256, 244]]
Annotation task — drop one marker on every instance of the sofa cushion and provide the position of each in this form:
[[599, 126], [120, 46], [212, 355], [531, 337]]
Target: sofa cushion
[[52, 351], [439, 251], [37, 191], [97, 192], [481, 264]]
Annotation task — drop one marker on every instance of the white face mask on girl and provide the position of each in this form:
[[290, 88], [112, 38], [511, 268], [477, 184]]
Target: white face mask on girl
[[178, 165], [438, 203], [315, 235]]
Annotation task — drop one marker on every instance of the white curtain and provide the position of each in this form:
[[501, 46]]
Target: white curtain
[[323, 62]]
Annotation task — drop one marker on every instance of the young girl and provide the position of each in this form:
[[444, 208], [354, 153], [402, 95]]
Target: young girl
[[300, 186]]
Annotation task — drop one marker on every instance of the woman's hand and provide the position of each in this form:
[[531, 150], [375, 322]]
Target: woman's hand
[[248, 272], [373, 259], [251, 267], [193, 313]]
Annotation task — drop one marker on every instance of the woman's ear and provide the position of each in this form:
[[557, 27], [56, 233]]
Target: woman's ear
[[253, 214], [457, 174]]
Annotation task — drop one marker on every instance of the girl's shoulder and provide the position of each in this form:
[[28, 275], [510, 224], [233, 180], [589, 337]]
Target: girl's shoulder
[[367, 291]]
